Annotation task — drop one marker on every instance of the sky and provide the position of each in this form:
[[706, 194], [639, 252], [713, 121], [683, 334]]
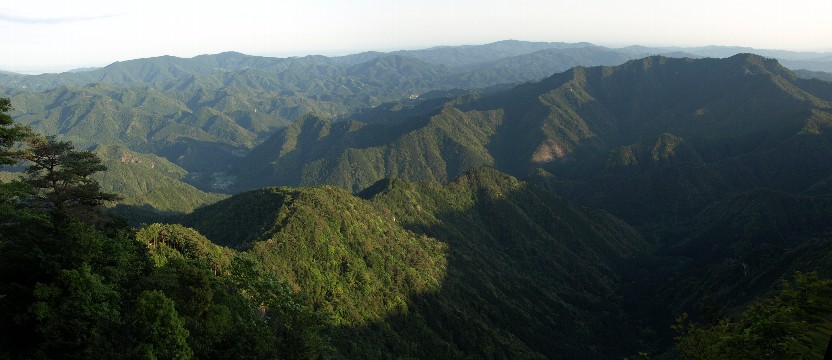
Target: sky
[[56, 35]]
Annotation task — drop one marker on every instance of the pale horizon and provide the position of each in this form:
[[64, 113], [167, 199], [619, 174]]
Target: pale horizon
[[56, 36]]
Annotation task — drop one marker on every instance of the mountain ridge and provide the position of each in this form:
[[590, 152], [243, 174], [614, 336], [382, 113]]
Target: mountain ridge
[[587, 112], [549, 236]]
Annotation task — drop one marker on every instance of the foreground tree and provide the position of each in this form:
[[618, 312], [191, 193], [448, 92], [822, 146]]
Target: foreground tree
[[60, 175], [72, 289], [10, 134]]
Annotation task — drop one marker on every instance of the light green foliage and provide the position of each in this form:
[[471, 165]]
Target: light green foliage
[[300, 328], [176, 241], [145, 180], [228, 304], [351, 259]]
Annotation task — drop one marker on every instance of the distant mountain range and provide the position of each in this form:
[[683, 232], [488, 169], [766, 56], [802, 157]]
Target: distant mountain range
[[225, 104]]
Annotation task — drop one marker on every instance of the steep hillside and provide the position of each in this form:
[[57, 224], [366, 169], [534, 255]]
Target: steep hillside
[[589, 111], [148, 181], [734, 251], [332, 246], [483, 266], [520, 260], [354, 155], [809, 74], [653, 138]]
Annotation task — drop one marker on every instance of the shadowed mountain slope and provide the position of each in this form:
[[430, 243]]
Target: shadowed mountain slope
[[679, 132], [485, 265]]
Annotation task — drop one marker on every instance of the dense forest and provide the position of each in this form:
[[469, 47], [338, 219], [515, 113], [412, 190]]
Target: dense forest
[[232, 206]]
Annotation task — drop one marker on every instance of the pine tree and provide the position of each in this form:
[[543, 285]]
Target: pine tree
[[60, 175], [10, 134]]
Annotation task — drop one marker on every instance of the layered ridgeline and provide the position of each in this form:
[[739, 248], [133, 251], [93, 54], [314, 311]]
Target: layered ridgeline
[[206, 112], [203, 114], [653, 137], [224, 104], [484, 266]]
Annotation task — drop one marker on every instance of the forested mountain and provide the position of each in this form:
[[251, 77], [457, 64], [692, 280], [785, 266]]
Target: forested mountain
[[738, 248], [149, 181], [415, 268], [226, 103], [637, 139], [707, 156], [204, 113], [509, 200]]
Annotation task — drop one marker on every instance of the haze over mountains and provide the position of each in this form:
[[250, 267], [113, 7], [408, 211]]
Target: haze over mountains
[[515, 199]]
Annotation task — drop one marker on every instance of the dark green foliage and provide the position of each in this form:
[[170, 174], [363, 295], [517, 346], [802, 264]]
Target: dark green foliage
[[71, 291], [793, 324], [72, 286], [76, 314], [238, 232], [653, 139], [705, 156], [299, 327], [510, 246], [165, 336], [63, 279], [10, 134], [662, 138], [737, 249], [60, 175]]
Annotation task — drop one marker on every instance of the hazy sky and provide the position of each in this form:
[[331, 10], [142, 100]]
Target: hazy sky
[[55, 35]]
